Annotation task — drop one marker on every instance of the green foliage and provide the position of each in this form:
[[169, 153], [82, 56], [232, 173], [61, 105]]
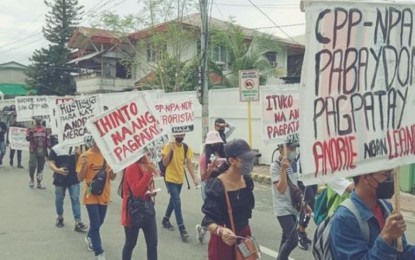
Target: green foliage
[[49, 72]]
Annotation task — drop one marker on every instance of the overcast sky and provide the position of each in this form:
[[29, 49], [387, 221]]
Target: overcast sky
[[21, 20]]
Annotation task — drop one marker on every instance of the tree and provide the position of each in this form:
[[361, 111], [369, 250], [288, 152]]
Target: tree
[[49, 72], [245, 50]]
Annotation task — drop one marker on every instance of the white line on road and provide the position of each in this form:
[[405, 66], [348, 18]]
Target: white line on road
[[271, 252]]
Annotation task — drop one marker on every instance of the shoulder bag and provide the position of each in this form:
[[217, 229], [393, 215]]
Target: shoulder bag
[[98, 182]]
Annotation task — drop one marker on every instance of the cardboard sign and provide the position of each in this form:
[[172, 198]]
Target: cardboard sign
[[280, 113], [358, 92], [17, 138], [53, 111], [73, 117], [125, 132], [177, 115], [249, 85], [28, 107]]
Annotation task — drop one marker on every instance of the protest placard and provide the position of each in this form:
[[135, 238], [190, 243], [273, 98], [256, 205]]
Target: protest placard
[[358, 93], [280, 112], [17, 138], [53, 107], [127, 132], [176, 114], [73, 117], [28, 107]]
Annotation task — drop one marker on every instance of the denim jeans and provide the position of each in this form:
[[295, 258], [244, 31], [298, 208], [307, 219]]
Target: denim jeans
[[150, 235], [74, 191], [2, 150], [174, 203], [96, 215], [289, 238]]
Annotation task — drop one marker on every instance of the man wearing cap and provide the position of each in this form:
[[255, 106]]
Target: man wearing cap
[[39, 142], [221, 125], [175, 159]]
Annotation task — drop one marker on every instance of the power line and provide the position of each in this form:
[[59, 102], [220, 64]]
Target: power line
[[272, 21]]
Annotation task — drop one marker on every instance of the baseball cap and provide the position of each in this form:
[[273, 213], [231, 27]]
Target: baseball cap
[[240, 148], [213, 137]]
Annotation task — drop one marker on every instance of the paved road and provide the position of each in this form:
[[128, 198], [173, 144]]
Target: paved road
[[27, 224]]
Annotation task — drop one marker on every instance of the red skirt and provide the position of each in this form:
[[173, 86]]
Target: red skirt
[[218, 250]]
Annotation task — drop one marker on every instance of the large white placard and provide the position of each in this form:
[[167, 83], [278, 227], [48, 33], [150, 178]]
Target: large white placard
[[280, 112], [176, 114], [127, 132], [17, 138], [53, 111], [28, 107], [358, 92], [73, 117]]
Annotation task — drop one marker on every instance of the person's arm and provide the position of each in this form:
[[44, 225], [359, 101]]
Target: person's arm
[[29, 134], [167, 152], [231, 129], [280, 172], [190, 167], [82, 167], [52, 165], [138, 183]]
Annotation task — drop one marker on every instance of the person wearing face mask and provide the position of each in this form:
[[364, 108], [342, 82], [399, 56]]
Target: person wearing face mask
[[221, 125], [370, 197], [238, 184], [175, 159], [39, 141], [282, 175]]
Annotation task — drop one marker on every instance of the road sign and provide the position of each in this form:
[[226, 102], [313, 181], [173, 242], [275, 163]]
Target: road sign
[[249, 85]]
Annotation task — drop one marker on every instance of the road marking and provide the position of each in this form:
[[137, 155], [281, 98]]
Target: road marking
[[271, 252]]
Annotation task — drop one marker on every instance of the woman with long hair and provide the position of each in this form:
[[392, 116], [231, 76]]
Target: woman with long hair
[[138, 182], [238, 184]]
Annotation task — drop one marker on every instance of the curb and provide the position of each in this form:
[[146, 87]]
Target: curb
[[261, 178]]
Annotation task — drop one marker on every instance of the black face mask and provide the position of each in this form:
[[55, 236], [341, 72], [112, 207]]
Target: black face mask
[[385, 190], [221, 131], [179, 139]]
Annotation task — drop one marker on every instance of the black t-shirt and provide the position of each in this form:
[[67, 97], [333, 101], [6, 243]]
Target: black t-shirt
[[64, 157], [3, 131]]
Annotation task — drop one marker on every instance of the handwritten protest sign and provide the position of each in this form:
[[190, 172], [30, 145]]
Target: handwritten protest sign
[[73, 117], [357, 114], [53, 111], [17, 138], [280, 112], [176, 115], [28, 107], [123, 133]]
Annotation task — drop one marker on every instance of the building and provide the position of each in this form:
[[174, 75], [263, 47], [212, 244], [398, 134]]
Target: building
[[101, 54], [13, 80]]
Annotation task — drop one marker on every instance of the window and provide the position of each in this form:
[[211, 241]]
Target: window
[[154, 53], [219, 54], [272, 58]]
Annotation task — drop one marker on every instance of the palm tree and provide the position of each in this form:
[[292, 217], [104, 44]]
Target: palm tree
[[245, 49]]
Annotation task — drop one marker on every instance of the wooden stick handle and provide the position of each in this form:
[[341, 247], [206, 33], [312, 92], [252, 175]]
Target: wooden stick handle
[[397, 209]]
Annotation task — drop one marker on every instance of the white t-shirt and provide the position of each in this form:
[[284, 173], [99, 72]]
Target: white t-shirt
[[282, 201]]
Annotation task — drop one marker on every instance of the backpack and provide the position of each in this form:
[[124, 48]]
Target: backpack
[[98, 183], [321, 242], [163, 168]]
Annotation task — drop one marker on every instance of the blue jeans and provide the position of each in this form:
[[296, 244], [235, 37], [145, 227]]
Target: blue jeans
[[96, 215], [174, 203], [150, 235], [2, 151], [74, 191]]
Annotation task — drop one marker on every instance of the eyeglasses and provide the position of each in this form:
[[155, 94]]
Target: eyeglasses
[[388, 174]]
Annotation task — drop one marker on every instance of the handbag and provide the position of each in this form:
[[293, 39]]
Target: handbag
[[140, 211], [98, 182], [246, 248], [296, 195]]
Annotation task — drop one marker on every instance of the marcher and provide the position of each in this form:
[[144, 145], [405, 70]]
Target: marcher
[[237, 182], [89, 164], [221, 125], [175, 173], [284, 179], [14, 123], [209, 161], [3, 132], [138, 181], [370, 199], [39, 142], [62, 161]]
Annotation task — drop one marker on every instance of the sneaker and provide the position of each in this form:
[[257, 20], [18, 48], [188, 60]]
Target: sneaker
[[303, 235], [302, 244], [100, 257], [59, 222], [88, 242], [80, 227], [183, 234], [200, 233], [20, 166], [40, 187], [167, 225], [31, 184]]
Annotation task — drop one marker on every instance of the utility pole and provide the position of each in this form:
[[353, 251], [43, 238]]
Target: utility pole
[[204, 92]]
